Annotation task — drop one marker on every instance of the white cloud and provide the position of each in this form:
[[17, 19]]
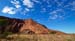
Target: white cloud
[[28, 3], [17, 6], [36, 1], [9, 10], [26, 9], [53, 12], [16, 3], [56, 11], [70, 6], [59, 13], [53, 15]]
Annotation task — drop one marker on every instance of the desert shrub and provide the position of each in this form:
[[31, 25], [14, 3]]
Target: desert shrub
[[69, 39], [53, 32], [3, 22], [5, 34]]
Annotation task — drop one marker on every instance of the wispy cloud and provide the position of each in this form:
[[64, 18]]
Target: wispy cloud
[[59, 4], [53, 17], [18, 7], [28, 3], [73, 5], [57, 14], [16, 3], [9, 10], [36, 1], [43, 10], [25, 11]]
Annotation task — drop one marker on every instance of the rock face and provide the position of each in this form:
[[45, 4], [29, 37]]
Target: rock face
[[31, 25], [10, 24], [27, 26]]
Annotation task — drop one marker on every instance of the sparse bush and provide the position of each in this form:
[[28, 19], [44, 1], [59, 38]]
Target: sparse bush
[[53, 32], [69, 39], [5, 34], [3, 22]]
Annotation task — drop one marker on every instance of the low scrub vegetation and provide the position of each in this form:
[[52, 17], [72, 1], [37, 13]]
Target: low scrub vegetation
[[39, 37]]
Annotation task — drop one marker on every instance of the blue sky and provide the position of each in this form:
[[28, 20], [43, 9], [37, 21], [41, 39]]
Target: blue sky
[[55, 14]]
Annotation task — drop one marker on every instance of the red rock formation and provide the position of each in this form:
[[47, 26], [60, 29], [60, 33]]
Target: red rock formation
[[33, 26], [27, 26], [23, 26]]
